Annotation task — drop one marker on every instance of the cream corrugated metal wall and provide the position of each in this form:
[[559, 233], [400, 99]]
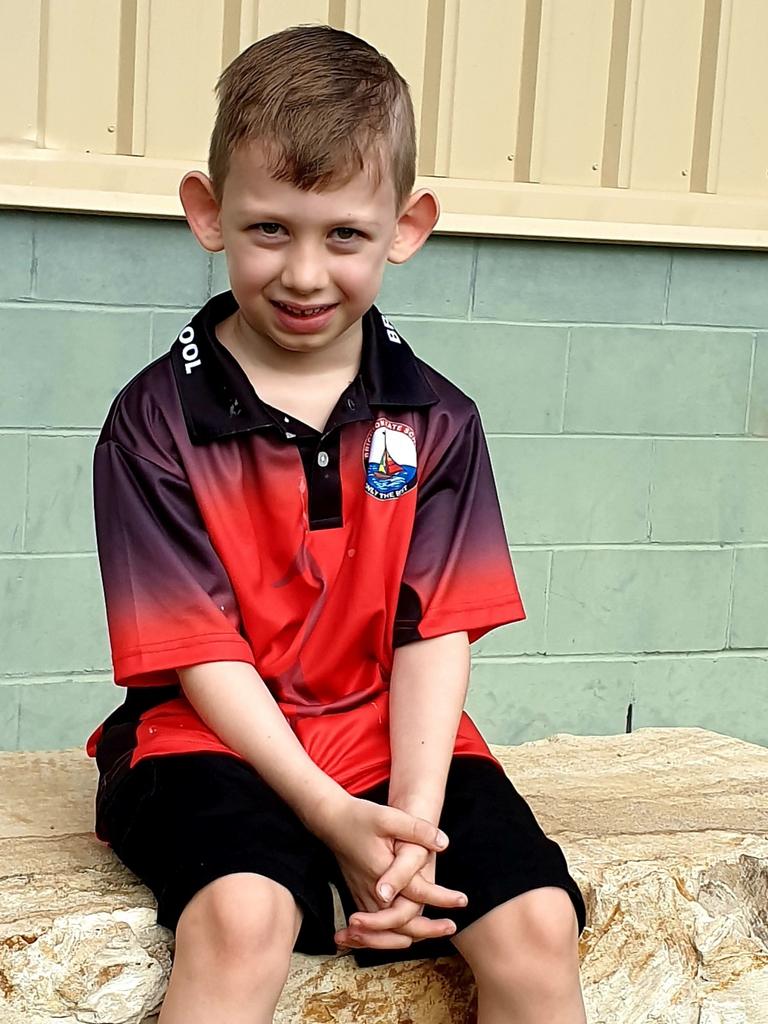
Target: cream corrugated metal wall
[[624, 119]]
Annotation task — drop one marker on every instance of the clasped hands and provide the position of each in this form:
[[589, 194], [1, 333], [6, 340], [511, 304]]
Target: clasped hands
[[378, 847]]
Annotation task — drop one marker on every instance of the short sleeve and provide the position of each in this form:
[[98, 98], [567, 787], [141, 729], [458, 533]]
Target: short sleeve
[[168, 598], [458, 573]]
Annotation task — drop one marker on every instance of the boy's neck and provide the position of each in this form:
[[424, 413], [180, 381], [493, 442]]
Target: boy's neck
[[256, 353], [307, 385]]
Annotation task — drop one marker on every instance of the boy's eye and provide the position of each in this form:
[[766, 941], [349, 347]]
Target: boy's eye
[[347, 234], [268, 228]]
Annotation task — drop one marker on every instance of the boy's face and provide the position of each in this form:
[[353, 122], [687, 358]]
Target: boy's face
[[304, 266]]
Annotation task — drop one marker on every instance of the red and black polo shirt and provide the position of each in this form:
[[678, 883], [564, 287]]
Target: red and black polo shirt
[[229, 531]]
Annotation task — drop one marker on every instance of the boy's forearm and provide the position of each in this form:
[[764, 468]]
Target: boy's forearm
[[233, 700], [427, 693]]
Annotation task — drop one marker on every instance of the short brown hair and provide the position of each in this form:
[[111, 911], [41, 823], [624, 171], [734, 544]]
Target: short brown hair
[[321, 101]]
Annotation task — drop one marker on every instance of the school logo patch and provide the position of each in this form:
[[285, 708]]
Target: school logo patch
[[389, 456]]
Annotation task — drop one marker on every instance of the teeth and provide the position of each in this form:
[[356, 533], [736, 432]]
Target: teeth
[[295, 311]]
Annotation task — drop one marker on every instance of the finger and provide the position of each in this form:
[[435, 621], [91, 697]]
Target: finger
[[358, 939], [421, 891], [425, 928], [392, 919], [417, 930], [408, 861], [406, 921], [397, 823]]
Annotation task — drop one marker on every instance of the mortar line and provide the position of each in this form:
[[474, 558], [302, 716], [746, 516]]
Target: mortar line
[[566, 376], [729, 617], [716, 654], [750, 382], [547, 592], [51, 432], [25, 516], [33, 265], [25, 302], [667, 288], [29, 556], [473, 279], [84, 675], [541, 435], [649, 500]]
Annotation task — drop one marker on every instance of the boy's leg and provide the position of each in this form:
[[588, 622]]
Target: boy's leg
[[237, 878], [524, 956], [233, 951]]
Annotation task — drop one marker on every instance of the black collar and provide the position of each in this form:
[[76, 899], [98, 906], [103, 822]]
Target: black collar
[[218, 399]]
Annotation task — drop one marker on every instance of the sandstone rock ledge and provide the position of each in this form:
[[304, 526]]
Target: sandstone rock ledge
[[665, 830]]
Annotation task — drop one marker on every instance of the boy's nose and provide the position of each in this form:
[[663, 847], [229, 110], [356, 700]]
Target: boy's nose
[[304, 271]]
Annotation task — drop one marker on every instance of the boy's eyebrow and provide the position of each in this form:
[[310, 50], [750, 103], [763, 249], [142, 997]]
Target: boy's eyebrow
[[267, 215]]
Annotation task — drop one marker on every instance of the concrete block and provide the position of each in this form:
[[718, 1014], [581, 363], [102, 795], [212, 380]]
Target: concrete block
[[166, 325], [628, 380], [516, 701], [71, 365], [720, 287], [566, 490], [749, 621], [63, 713], [710, 491], [119, 260], [9, 716], [638, 600], [720, 694], [526, 637], [515, 373], [435, 282], [53, 615], [13, 495], [565, 281], [15, 254], [758, 406], [60, 516]]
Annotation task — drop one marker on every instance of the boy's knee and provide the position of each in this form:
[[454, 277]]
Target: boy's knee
[[241, 920], [526, 939]]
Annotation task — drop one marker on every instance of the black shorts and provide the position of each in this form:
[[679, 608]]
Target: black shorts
[[180, 821]]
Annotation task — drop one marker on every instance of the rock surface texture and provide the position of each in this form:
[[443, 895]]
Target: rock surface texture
[[665, 830]]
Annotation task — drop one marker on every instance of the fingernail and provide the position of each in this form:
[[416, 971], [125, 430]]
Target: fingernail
[[463, 901], [442, 840], [386, 892]]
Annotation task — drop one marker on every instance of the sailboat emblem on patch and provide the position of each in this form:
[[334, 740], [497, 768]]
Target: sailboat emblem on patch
[[389, 455]]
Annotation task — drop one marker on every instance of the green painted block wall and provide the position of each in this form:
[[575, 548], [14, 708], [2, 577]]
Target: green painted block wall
[[624, 390]]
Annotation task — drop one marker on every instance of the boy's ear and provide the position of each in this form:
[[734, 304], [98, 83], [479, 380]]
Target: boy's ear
[[414, 225], [202, 210]]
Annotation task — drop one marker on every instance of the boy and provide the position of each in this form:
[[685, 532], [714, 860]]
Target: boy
[[299, 536]]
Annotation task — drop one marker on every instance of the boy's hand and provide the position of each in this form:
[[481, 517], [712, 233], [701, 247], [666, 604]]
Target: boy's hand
[[363, 837], [401, 923]]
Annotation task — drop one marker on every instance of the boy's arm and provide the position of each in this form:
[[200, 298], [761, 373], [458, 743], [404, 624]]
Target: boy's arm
[[427, 692], [233, 700]]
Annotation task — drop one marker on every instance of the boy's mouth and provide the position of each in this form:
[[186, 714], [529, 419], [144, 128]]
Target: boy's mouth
[[303, 319], [303, 311]]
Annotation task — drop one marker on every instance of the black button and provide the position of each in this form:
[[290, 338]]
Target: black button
[[351, 404]]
